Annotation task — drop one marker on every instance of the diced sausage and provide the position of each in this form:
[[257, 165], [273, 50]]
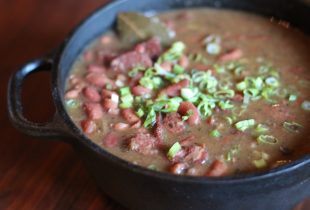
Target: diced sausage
[[140, 91], [91, 94], [88, 126], [187, 141], [72, 94], [136, 124], [130, 116], [93, 110], [174, 90], [98, 79], [173, 123], [111, 140], [143, 143], [184, 62], [231, 55], [194, 153], [152, 47], [186, 106], [217, 168], [159, 129], [93, 68], [121, 126], [129, 60]]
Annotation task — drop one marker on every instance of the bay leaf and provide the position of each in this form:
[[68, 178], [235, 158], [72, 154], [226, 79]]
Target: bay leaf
[[135, 27]]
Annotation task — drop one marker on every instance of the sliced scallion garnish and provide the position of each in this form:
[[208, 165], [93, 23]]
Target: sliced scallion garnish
[[267, 139], [245, 124], [174, 149], [292, 127], [305, 105]]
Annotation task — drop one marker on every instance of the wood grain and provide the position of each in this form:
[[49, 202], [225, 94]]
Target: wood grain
[[35, 173]]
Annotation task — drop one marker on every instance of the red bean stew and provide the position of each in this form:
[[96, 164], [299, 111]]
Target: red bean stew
[[196, 92]]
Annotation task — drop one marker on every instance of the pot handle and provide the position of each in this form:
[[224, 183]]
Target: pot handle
[[15, 108]]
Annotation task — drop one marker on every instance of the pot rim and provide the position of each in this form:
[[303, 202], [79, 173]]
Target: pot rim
[[80, 136]]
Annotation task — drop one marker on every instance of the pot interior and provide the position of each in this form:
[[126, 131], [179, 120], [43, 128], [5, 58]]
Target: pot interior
[[104, 18]]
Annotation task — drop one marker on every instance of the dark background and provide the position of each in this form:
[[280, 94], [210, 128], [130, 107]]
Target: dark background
[[35, 173]]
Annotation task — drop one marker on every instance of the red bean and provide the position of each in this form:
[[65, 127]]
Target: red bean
[[111, 140], [91, 94], [231, 55], [108, 104], [93, 111], [184, 62], [178, 168], [130, 116], [217, 168], [97, 79], [210, 120], [120, 126], [107, 93], [88, 126], [140, 91], [174, 90], [72, 94], [186, 106], [92, 68]]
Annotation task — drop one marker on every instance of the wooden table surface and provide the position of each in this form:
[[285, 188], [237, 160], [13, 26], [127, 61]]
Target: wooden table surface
[[36, 173]]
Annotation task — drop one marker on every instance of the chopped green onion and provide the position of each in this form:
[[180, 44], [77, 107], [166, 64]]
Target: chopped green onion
[[225, 105], [292, 126], [190, 94], [232, 152], [305, 105], [222, 94], [174, 149], [124, 91], [140, 112], [72, 103], [292, 98], [215, 134], [267, 139], [261, 163], [172, 54], [245, 124], [231, 119], [261, 128], [177, 69], [127, 98], [187, 115], [150, 118], [272, 81]]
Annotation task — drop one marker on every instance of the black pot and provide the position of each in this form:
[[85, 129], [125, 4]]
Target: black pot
[[136, 187]]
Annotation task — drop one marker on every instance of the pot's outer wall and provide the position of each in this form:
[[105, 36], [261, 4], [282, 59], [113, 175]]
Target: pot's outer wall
[[142, 191]]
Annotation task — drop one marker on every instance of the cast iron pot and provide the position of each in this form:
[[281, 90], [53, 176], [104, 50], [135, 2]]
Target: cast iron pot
[[136, 187]]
